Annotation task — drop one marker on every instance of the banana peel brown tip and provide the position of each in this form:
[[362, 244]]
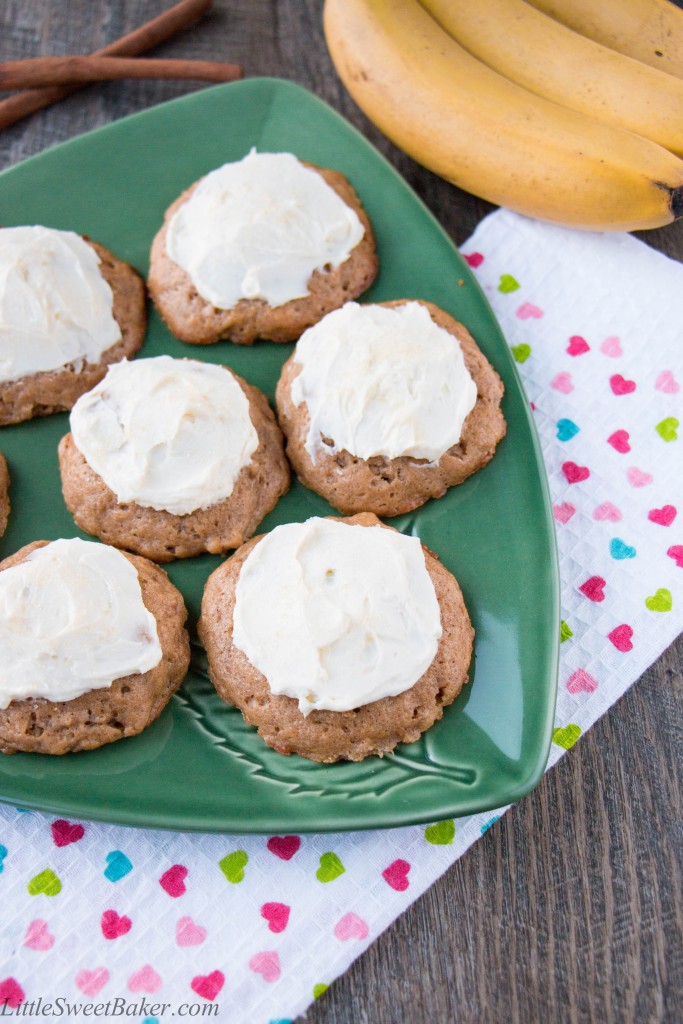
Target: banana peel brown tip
[[676, 201]]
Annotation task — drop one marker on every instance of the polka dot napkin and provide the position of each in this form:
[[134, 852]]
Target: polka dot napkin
[[255, 927]]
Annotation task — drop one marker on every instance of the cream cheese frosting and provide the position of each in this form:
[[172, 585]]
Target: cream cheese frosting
[[337, 615], [258, 229], [72, 619], [382, 381], [169, 434], [55, 306]]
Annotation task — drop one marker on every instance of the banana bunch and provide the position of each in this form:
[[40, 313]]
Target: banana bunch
[[649, 30], [506, 102]]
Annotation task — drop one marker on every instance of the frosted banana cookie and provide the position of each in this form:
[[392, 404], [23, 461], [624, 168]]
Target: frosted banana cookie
[[68, 308], [260, 248], [336, 638], [385, 406], [171, 458], [4, 494], [93, 646]]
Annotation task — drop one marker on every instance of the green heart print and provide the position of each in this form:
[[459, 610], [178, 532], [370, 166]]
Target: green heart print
[[45, 883], [566, 736], [661, 601], [507, 284], [441, 834], [330, 868], [521, 352], [233, 866], [667, 428]]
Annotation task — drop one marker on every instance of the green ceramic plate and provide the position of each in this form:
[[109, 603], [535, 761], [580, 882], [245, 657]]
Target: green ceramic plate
[[199, 766]]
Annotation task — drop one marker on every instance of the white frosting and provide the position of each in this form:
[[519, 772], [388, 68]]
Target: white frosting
[[55, 306], [258, 228], [380, 381], [337, 615], [169, 434], [72, 620]]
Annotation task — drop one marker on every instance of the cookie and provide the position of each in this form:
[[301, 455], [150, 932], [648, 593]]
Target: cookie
[[330, 735], [175, 495], [43, 392], [389, 484], [4, 494], [274, 297], [109, 713]]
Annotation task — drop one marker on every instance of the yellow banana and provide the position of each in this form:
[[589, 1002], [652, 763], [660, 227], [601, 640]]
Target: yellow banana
[[548, 58], [489, 136], [649, 30]]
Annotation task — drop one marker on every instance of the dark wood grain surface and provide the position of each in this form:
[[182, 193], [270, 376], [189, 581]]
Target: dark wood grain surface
[[569, 908]]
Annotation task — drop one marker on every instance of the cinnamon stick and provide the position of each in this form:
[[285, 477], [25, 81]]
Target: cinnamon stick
[[141, 39], [37, 72]]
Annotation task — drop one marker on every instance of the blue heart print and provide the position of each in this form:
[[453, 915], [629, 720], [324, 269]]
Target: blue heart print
[[620, 549], [566, 430], [118, 866]]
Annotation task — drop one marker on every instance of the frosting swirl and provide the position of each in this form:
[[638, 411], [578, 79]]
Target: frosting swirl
[[258, 229], [55, 306], [352, 614], [169, 434], [382, 381], [72, 619]]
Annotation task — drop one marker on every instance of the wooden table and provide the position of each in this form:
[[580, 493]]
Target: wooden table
[[569, 908]]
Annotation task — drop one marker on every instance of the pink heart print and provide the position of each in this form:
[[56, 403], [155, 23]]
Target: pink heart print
[[187, 933], [606, 511], [145, 980], [92, 982], [563, 383], [663, 516], [638, 477], [351, 926], [577, 345], [208, 985], [277, 916], [594, 588], [621, 638], [676, 552], [65, 832], [38, 936], [284, 847], [563, 512], [667, 383], [267, 964], [581, 682], [11, 994], [474, 259], [396, 875], [621, 386], [575, 474], [173, 880], [528, 310], [620, 441], [114, 926], [612, 347]]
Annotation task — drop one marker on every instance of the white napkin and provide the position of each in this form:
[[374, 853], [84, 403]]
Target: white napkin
[[257, 925]]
